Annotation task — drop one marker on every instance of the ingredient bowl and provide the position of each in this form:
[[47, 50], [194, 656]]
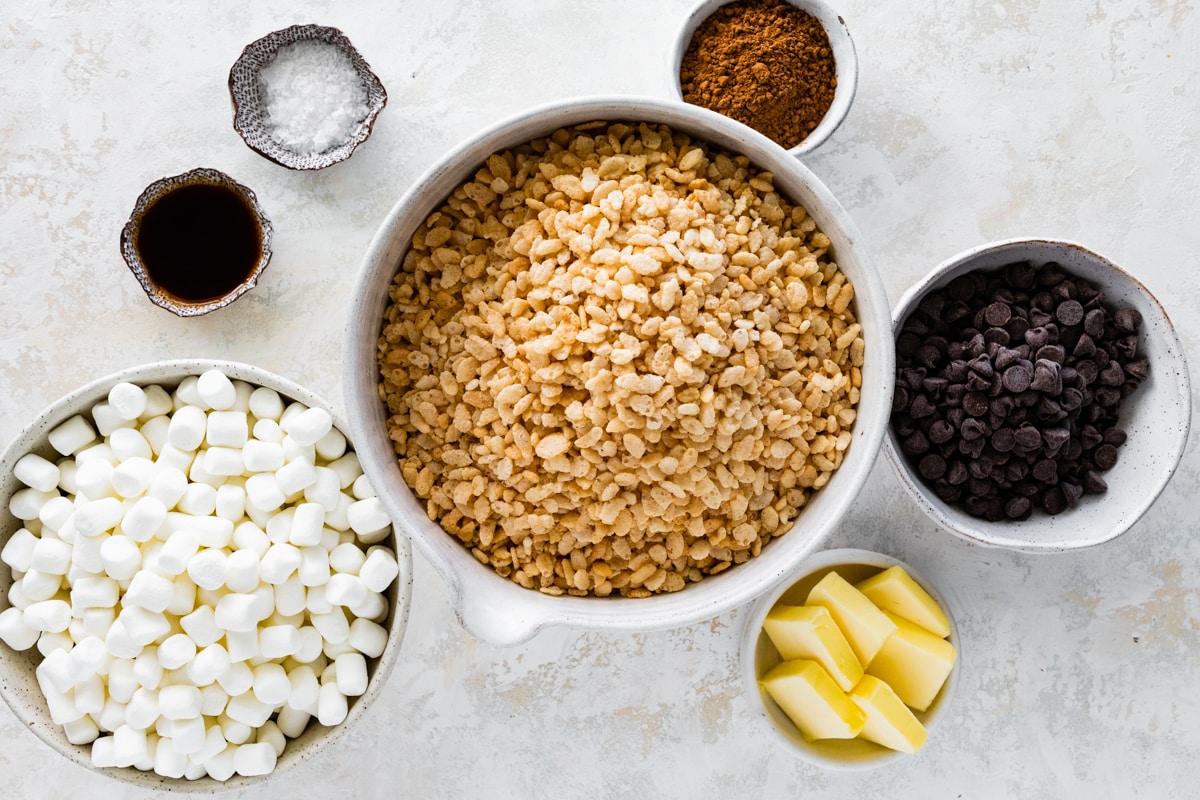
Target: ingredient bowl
[[18, 683], [1155, 417], [759, 656], [494, 608]]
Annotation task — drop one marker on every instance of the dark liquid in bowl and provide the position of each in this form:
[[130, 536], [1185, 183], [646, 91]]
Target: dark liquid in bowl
[[199, 242]]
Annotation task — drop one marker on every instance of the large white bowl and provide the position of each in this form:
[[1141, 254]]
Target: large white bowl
[[1157, 416], [495, 608], [18, 683]]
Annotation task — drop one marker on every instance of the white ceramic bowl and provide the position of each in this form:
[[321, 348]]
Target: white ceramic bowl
[[18, 684], [758, 656], [1156, 417], [844, 56], [495, 608]]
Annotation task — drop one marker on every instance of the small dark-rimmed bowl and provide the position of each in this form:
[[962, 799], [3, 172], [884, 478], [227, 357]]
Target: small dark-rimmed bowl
[[249, 109], [203, 176]]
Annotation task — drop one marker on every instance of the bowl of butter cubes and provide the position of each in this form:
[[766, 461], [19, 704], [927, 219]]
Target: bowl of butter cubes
[[855, 661], [199, 587]]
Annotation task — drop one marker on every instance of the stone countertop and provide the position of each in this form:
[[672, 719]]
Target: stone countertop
[[974, 121]]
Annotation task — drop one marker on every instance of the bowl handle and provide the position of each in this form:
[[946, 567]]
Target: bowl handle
[[502, 621]]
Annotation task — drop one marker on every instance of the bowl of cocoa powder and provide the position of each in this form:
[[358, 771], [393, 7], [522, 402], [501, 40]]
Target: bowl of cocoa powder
[[786, 68], [1042, 398]]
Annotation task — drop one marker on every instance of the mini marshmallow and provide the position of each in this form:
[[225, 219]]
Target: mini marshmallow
[[127, 401], [264, 601], [254, 759], [177, 550], [119, 643], [121, 685], [89, 695], [261, 456], [177, 651], [332, 445], [263, 491], [294, 451], [97, 592], [368, 638], [55, 671], [51, 556], [345, 590], [271, 684], [158, 402], [50, 641], [132, 477], [144, 626], [213, 698], [144, 518], [233, 731], [224, 461], [94, 517], [308, 426], [362, 488], [325, 490], [373, 607], [39, 586], [268, 430], [347, 467], [295, 476], [171, 457], [331, 705], [221, 767], [55, 512], [338, 518], [91, 622], [241, 571], [155, 431], [243, 391], [249, 536], [81, 731], [227, 429], [236, 612], [304, 687], [272, 735], [15, 632], [26, 503], [18, 599], [351, 674], [266, 404], [201, 626], [107, 419], [279, 526], [198, 474], [314, 566], [292, 721], [279, 641], [199, 500], [72, 436], [168, 761], [179, 701], [307, 523], [168, 486], [187, 735], [315, 600], [120, 557], [347, 558], [36, 472], [279, 562], [231, 502], [187, 394], [129, 746], [103, 753], [18, 550], [129, 443], [142, 710], [48, 615], [248, 709], [379, 570], [208, 664], [333, 626], [207, 568], [237, 679], [149, 591], [183, 595], [368, 516], [208, 531], [215, 388], [290, 595], [311, 644], [188, 426]]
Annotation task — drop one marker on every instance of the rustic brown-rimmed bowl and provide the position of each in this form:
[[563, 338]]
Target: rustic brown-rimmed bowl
[[249, 107], [159, 295]]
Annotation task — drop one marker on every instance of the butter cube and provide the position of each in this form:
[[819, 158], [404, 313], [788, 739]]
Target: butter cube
[[895, 591], [865, 626], [914, 662], [889, 722], [810, 632], [810, 698]]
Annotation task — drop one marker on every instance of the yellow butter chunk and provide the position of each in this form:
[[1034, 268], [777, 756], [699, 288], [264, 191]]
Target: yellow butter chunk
[[864, 626], [914, 662], [895, 591], [810, 698], [889, 722], [810, 632]]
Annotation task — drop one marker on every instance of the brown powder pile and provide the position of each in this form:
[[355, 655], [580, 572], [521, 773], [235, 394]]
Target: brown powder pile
[[765, 63]]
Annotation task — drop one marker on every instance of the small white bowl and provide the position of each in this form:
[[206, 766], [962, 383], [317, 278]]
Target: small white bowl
[[758, 656], [845, 60], [18, 683], [1157, 417]]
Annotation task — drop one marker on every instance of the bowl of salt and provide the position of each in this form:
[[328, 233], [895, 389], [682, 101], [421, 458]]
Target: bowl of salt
[[304, 97]]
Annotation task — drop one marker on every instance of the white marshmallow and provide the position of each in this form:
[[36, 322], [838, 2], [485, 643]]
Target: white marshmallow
[[55, 512], [271, 684], [127, 400], [221, 766], [177, 651], [345, 590], [48, 615], [374, 607], [155, 432], [120, 557], [144, 626], [201, 626], [168, 761], [208, 665], [119, 642], [67, 470], [72, 436], [149, 591], [121, 684], [15, 632], [227, 429], [308, 522], [304, 688], [55, 671], [368, 638], [91, 622], [103, 753], [213, 699], [272, 735], [333, 626], [142, 710], [18, 550], [50, 641], [263, 491], [348, 468], [311, 644], [187, 735], [279, 526], [178, 550], [158, 402], [347, 558], [254, 759], [208, 531], [264, 601], [51, 556], [332, 445], [94, 517], [231, 502], [238, 678], [81, 731], [279, 641], [132, 477], [331, 705], [249, 536], [39, 586], [325, 490], [241, 571], [279, 562], [243, 391], [144, 518], [379, 570], [217, 390], [112, 716], [351, 674], [309, 426], [198, 474], [266, 404], [248, 709], [338, 519], [89, 695], [199, 500], [289, 594], [294, 451], [268, 430], [18, 599], [97, 592], [187, 393], [224, 461], [183, 595], [368, 516], [314, 566], [25, 504], [295, 476], [259, 456], [207, 568], [179, 701], [147, 669], [129, 746], [187, 429], [36, 472], [107, 419], [315, 600], [293, 409], [362, 488], [169, 485], [292, 721], [171, 457], [127, 443], [236, 612]]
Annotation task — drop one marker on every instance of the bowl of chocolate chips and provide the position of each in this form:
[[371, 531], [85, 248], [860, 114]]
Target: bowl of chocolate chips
[[1042, 397]]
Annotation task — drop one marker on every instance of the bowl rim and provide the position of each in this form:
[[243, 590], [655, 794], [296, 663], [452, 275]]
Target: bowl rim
[[981, 532], [752, 632], [170, 371], [844, 53], [496, 609]]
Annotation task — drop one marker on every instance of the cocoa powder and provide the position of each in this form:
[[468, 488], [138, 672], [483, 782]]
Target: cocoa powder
[[765, 63]]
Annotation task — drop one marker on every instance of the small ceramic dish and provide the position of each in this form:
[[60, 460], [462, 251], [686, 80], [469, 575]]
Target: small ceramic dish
[[18, 682], [844, 56], [758, 656], [249, 106], [1156, 417], [253, 228]]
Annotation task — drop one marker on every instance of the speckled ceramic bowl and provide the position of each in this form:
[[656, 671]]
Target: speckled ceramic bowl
[[249, 111], [496, 609], [158, 295], [758, 656], [1157, 416], [844, 56], [18, 684]]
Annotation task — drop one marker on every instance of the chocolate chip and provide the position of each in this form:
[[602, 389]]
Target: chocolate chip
[[1017, 378], [1105, 457], [935, 387], [921, 407], [997, 335], [972, 429], [1112, 375], [1115, 436], [1004, 440], [1085, 347], [932, 467], [1028, 437], [997, 314], [932, 304], [1042, 301], [1045, 470], [907, 344], [941, 432], [956, 473], [961, 288], [1038, 318], [975, 404], [1108, 396], [1037, 337], [1055, 438], [1046, 377], [981, 365], [1138, 370], [1022, 275], [1093, 323], [1016, 327], [1053, 501], [900, 399], [1093, 483], [1127, 320], [1069, 312], [947, 492], [1018, 508], [928, 356], [1052, 352]]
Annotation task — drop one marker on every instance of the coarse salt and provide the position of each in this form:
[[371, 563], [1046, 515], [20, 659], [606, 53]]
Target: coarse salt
[[315, 99]]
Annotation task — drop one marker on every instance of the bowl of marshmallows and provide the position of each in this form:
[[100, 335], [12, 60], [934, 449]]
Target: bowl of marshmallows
[[199, 586]]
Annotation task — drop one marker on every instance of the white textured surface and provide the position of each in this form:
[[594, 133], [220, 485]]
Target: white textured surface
[[974, 121]]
